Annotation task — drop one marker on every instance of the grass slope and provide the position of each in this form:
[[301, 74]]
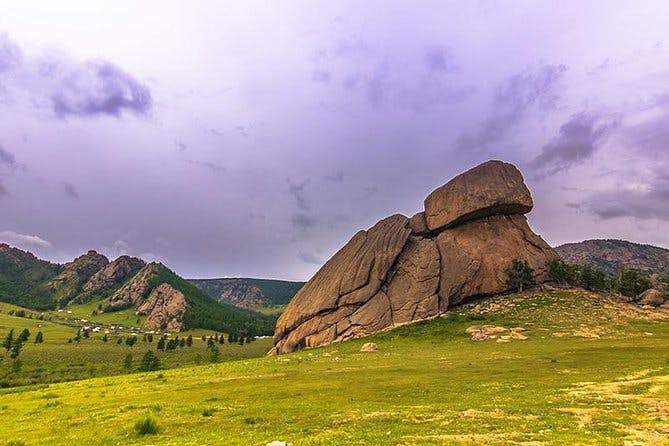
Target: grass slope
[[591, 372], [57, 360], [21, 277]]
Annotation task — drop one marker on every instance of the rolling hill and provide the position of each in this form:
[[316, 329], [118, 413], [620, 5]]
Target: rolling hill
[[167, 301], [612, 256]]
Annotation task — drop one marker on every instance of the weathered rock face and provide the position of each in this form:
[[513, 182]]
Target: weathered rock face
[[493, 187], [114, 273], [166, 307], [136, 290], [243, 295], [74, 274], [402, 270], [651, 297]]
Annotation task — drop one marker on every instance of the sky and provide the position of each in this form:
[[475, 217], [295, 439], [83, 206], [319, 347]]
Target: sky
[[255, 138]]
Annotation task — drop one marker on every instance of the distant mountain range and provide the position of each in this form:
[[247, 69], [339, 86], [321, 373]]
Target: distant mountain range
[[169, 301], [611, 256], [249, 293]]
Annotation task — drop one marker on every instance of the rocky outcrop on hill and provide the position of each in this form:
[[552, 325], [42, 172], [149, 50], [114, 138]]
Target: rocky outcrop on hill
[[612, 256], [402, 269], [74, 274], [114, 273], [243, 295], [136, 290], [166, 307]]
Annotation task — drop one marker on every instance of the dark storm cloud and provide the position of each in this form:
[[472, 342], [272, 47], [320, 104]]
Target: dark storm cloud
[[93, 89], [7, 158], [309, 257], [302, 222], [512, 99], [70, 87], [640, 204], [181, 146], [577, 140], [70, 190], [297, 191]]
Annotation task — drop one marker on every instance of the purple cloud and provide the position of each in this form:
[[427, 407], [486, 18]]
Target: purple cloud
[[577, 141], [512, 99], [94, 89]]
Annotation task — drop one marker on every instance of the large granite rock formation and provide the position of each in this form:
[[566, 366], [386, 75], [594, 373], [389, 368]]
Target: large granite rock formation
[[402, 269], [166, 307], [113, 273]]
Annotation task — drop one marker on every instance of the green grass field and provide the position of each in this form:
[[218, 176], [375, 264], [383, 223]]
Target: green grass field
[[591, 371], [57, 360]]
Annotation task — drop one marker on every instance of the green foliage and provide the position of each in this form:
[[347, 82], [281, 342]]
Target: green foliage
[[189, 341], [130, 340], [149, 362], [214, 353], [25, 334], [205, 312], [161, 343], [146, 426], [520, 275], [665, 284], [22, 277], [127, 361], [16, 348], [9, 340], [563, 273], [278, 292], [632, 282], [39, 337]]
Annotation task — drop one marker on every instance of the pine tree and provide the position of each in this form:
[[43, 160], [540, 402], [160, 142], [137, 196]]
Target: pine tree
[[127, 362], [150, 361], [105, 338], [214, 353], [221, 339], [25, 334], [161, 344], [9, 340], [16, 348], [39, 338], [519, 275], [189, 341]]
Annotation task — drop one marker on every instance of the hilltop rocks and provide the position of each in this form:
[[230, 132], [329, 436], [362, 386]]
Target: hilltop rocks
[[114, 273], [402, 270], [136, 290], [493, 187], [243, 295], [74, 274], [166, 307]]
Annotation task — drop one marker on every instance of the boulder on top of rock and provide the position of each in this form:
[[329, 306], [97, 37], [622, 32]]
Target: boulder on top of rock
[[402, 270], [494, 187]]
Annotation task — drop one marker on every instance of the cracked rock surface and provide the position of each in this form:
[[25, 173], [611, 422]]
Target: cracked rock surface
[[402, 270]]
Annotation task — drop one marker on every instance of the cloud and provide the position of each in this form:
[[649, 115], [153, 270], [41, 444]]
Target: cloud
[[577, 140], [308, 257], [297, 191], [215, 168], [10, 53], [386, 79], [440, 59], [23, 241], [70, 190], [181, 146], [3, 191], [302, 221], [511, 101], [7, 158], [99, 88], [338, 177], [639, 204], [71, 87]]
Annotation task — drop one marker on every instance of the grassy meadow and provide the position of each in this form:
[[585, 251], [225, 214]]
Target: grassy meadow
[[57, 360], [591, 371]]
